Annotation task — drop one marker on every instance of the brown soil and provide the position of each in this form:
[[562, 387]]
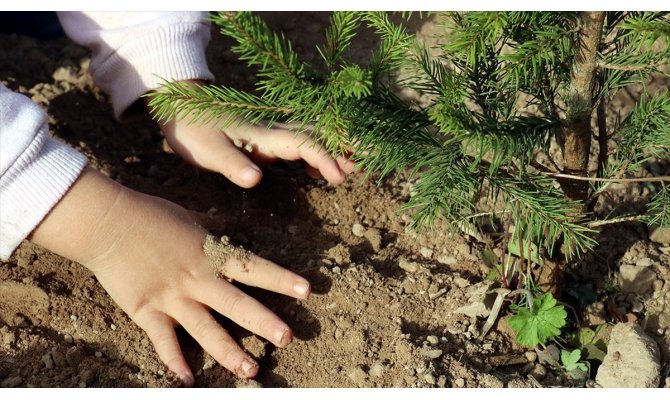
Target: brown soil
[[382, 314]]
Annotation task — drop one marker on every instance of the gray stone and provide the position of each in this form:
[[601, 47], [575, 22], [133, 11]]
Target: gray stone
[[659, 235], [477, 305], [432, 353], [594, 314], [358, 230], [632, 360], [636, 279], [408, 266], [447, 260], [48, 361], [426, 252]]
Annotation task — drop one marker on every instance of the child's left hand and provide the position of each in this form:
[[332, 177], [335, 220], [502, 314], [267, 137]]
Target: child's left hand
[[216, 150]]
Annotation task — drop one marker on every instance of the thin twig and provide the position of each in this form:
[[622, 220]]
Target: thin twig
[[594, 224]]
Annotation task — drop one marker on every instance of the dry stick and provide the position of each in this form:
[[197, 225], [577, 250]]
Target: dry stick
[[577, 130], [629, 218]]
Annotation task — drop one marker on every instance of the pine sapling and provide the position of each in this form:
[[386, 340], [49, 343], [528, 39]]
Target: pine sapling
[[503, 89]]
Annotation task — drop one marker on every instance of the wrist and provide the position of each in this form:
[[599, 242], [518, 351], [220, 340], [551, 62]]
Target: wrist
[[78, 224]]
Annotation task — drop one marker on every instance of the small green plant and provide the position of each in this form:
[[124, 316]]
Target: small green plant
[[538, 321], [574, 367]]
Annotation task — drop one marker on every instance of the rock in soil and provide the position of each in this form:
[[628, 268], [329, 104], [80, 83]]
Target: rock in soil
[[358, 230], [477, 305], [632, 360], [375, 238], [659, 235], [594, 314], [408, 266], [636, 279]]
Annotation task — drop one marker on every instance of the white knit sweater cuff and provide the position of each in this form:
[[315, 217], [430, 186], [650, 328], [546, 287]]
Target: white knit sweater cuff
[[172, 53], [32, 187]]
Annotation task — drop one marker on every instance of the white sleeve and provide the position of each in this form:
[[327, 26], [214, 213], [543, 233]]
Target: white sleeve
[[36, 170], [134, 51]]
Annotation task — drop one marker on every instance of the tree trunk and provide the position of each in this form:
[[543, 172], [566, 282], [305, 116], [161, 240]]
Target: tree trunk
[[577, 125]]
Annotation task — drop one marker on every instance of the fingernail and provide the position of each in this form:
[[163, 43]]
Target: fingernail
[[250, 173], [247, 367], [301, 288], [186, 380], [282, 337]]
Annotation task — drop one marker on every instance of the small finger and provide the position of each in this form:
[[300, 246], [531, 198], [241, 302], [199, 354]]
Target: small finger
[[288, 145], [245, 311], [200, 324], [160, 330], [346, 165], [255, 271], [313, 172]]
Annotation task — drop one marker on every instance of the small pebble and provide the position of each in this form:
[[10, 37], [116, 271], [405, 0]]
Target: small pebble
[[68, 338], [461, 282], [358, 230], [408, 266], [433, 340], [98, 354], [539, 371], [531, 356], [426, 252], [429, 378], [432, 353], [447, 260], [48, 361], [460, 382], [442, 381], [377, 369], [112, 327]]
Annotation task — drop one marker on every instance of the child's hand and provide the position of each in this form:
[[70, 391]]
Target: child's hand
[[216, 150], [148, 254]]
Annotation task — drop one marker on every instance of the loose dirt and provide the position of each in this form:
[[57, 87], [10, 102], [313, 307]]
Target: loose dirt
[[219, 251], [383, 308]]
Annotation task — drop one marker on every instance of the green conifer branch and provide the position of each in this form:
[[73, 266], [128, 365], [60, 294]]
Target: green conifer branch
[[340, 33], [658, 209], [208, 103]]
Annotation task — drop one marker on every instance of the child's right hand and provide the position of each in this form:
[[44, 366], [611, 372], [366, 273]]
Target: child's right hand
[[213, 149], [148, 254]]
